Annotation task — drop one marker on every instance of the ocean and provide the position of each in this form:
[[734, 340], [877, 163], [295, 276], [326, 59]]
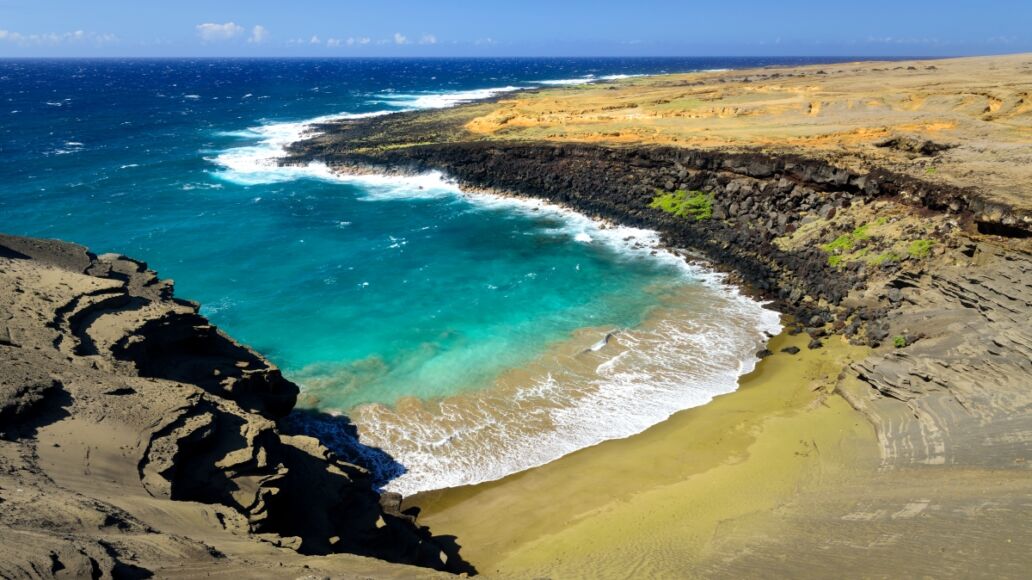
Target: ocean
[[467, 336]]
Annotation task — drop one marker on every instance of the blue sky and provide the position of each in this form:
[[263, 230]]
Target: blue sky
[[513, 28]]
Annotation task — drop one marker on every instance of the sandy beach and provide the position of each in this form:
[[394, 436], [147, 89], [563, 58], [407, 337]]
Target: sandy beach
[[884, 208], [882, 204], [727, 466], [758, 482]]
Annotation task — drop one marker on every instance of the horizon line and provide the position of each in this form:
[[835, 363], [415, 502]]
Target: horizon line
[[499, 57]]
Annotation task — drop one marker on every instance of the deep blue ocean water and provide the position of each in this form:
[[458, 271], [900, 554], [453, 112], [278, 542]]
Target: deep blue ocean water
[[363, 290]]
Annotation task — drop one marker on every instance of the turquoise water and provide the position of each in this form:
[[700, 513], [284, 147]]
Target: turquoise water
[[380, 294], [376, 290]]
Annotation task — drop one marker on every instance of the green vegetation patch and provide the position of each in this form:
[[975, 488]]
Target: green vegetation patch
[[884, 258], [920, 248], [845, 244], [899, 341], [686, 204]]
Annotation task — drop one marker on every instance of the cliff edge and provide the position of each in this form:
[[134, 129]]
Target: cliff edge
[[140, 440]]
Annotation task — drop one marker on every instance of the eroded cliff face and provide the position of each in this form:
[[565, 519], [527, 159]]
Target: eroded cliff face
[[137, 437], [758, 201], [932, 275]]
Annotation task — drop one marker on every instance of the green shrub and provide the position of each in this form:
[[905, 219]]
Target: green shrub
[[884, 258], [835, 260], [686, 204], [860, 233], [846, 242], [899, 341], [843, 243], [920, 248]]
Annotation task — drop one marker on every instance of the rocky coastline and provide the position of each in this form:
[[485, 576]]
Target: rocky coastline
[[138, 440], [935, 276], [137, 437]]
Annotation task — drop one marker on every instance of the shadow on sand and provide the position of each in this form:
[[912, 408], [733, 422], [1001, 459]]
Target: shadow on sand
[[340, 435]]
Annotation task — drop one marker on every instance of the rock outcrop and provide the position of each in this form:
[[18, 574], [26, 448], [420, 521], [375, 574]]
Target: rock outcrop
[[958, 390], [932, 275], [125, 413]]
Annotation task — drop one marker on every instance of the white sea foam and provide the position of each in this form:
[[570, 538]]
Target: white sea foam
[[677, 365], [441, 100], [619, 390], [671, 366], [258, 163], [584, 80], [565, 82]]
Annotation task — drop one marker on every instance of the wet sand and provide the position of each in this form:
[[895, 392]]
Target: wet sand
[[651, 505], [600, 383]]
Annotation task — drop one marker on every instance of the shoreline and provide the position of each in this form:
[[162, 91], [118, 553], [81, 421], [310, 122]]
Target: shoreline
[[894, 441], [875, 236], [573, 395], [646, 241], [712, 446]]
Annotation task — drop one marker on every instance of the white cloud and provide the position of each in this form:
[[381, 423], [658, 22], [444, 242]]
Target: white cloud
[[482, 41], [56, 38], [314, 40], [428, 39], [209, 31], [334, 42], [400, 38], [897, 40], [258, 34], [360, 41], [1001, 40]]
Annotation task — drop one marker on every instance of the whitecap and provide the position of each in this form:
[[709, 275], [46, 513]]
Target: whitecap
[[566, 82], [442, 100], [213, 308], [258, 164], [202, 186], [585, 80]]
